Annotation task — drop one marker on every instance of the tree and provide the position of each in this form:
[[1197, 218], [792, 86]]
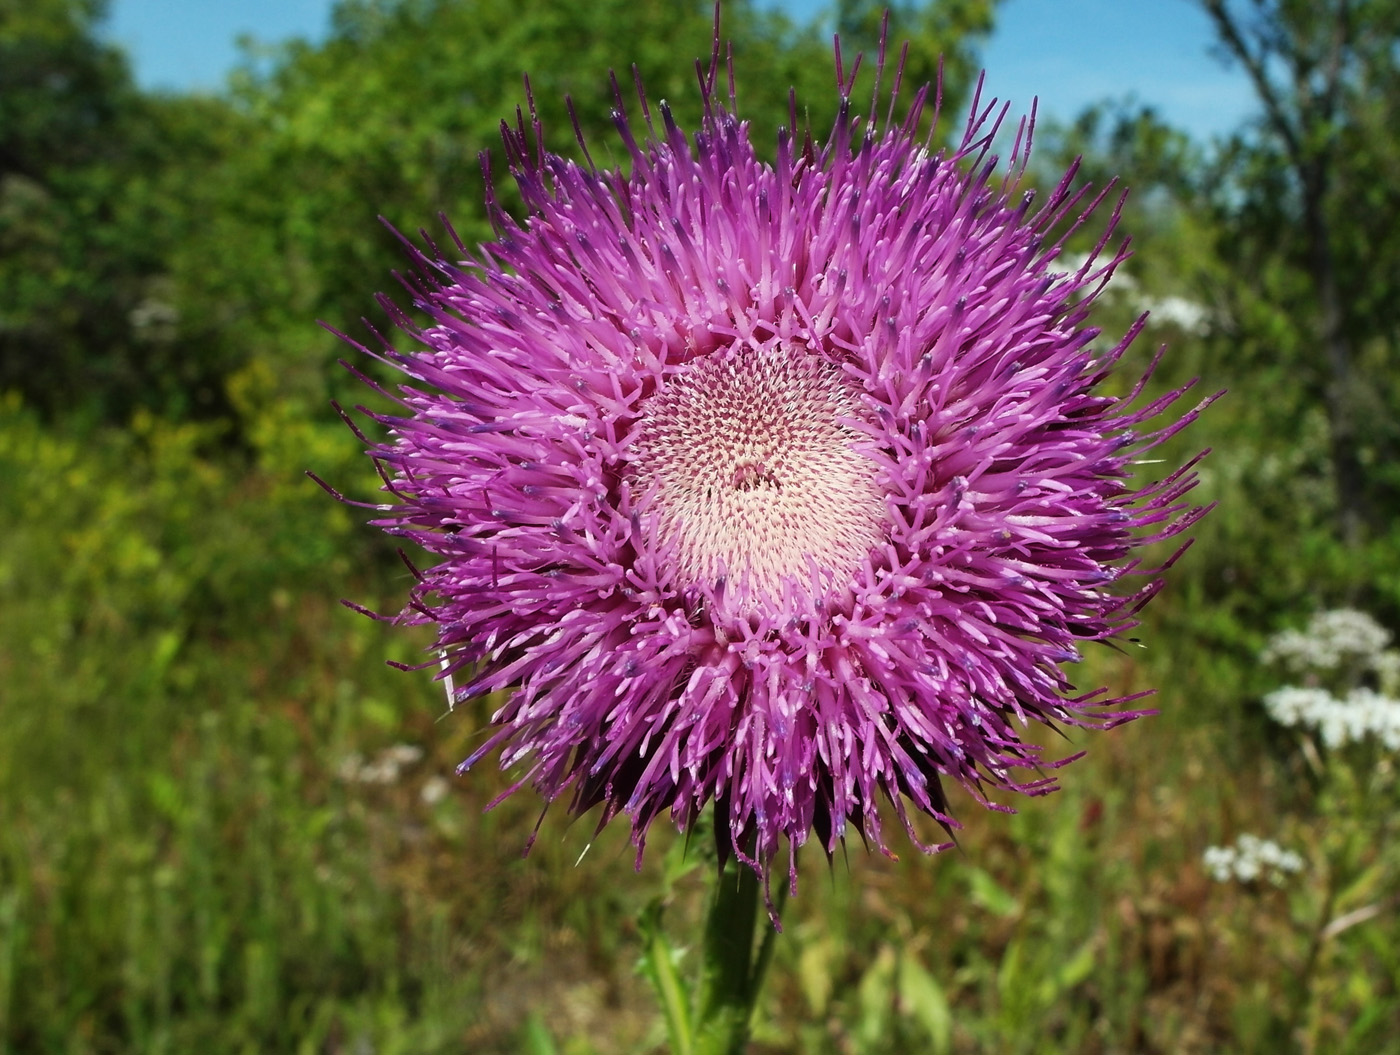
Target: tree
[[1313, 201], [88, 212], [153, 246], [387, 117]]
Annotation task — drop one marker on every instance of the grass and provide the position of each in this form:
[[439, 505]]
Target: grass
[[190, 862]]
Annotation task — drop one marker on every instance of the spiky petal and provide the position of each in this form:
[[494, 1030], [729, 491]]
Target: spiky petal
[[787, 487]]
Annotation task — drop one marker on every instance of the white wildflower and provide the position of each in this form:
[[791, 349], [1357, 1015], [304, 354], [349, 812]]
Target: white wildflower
[[1338, 721], [1187, 314], [435, 789], [1291, 705], [1251, 859], [385, 768], [1342, 635], [402, 755], [350, 766]]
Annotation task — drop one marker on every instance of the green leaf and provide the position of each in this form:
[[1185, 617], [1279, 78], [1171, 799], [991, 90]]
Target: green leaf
[[923, 999], [987, 893], [814, 973], [876, 997], [537, 1039], [1078, 967]]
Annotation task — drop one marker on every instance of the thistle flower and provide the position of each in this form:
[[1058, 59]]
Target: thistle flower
[[786, 487]]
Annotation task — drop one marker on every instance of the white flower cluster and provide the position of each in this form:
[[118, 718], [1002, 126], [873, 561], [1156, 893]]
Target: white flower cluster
[[384, 768], [1332, 639], [1361, 713], [1337, 649], [1250, 859], [434, 790], [1187, 314]]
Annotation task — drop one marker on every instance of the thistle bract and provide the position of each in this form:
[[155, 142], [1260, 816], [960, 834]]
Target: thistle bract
[[785, 486]]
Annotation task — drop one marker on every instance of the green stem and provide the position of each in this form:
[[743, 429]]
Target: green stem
[[730, 974], [767, 943], [673, 998], [659, 965]]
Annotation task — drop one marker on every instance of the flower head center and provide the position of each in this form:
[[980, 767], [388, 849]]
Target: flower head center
[[749, 460]]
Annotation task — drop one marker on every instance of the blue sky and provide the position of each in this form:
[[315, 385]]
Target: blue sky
[[1068, 52]]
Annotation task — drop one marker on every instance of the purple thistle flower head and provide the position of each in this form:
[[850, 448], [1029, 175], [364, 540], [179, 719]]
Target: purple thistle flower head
[[787, 487]]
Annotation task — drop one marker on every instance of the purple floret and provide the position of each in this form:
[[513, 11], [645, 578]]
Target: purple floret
[[784, 487]]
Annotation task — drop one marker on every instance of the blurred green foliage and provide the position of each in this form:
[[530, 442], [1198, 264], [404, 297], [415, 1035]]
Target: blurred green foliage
[[211, 837]]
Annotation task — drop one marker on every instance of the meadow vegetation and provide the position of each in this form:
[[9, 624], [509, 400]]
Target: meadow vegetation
[[227, 826]]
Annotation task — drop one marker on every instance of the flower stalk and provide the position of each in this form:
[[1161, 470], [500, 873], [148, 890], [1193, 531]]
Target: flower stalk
[[730, 974], [714, 1016]]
